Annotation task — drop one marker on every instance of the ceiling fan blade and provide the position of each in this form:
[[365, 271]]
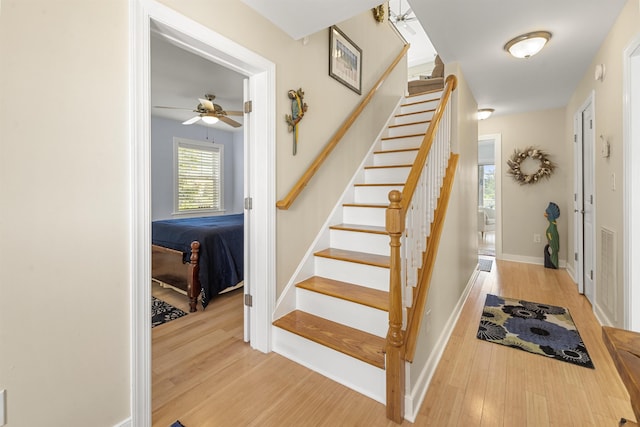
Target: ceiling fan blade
[[191, 120], [208, 105], [229, 121], [234, 113]]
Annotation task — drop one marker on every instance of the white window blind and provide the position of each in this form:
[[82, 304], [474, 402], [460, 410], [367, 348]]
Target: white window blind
[[199, 176]]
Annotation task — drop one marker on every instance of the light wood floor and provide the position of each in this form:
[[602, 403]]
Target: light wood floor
[[206, 376]]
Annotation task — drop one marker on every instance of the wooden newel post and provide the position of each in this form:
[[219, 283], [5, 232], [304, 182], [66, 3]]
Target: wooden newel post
[[193, 281], [395, 336]]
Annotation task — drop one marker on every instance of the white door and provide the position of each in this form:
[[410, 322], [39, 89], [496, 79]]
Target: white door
[[584, 213]]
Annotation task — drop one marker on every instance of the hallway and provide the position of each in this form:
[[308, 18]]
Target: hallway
[[206, 376]]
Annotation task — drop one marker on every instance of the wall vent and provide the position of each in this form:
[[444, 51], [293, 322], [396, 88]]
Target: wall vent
[[608, 289]]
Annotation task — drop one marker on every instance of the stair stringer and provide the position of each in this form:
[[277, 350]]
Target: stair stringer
[[287, 300]]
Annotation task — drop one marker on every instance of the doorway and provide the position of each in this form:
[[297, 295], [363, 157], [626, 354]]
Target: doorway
[[584, 203], [488, 206], [259, 180]]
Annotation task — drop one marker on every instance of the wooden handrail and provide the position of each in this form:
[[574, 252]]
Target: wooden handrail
[[416, 312], [396, 216], [421, 158], [306, 177]]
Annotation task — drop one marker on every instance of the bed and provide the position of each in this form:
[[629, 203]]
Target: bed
[[202, 255]]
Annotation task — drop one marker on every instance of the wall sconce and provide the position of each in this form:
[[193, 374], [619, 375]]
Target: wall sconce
[[485, 113]]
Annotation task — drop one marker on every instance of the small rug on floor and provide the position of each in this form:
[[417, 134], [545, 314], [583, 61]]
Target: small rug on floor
[[485, 264], [177, 424], [163, 312], [541, 329]]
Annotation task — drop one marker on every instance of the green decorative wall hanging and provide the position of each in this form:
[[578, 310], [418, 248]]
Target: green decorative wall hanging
[[298, 108]]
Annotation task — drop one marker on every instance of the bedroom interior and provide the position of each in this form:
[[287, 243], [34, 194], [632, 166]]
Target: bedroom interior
[[215, 264]]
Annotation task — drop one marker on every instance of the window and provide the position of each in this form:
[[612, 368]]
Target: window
[[198, 176]]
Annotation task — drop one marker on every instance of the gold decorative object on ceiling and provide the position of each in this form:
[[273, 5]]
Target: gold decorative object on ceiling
[[379, 13]]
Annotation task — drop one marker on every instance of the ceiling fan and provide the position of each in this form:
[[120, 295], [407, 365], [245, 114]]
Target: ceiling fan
[[401, 19], [210, 113]]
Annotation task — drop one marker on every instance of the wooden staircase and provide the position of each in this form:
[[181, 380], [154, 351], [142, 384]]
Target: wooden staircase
[[341, 319]]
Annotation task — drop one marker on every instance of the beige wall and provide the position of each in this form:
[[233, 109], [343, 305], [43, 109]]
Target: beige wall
[[458, 251], [306, 66], [64, 225], [523, 206], [65, 185], [608, 122]]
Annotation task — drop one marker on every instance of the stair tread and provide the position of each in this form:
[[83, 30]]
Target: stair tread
[[409, 124], [423, 101], [413, 135], [347, 291], [415, 112], [388, 166], [398, 184], [400, 150], [360, 228], [367, 205], [353, 342], [354, 256]]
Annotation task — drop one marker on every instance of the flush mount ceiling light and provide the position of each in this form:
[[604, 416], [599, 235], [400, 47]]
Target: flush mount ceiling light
[[485, 113], [527, 45]]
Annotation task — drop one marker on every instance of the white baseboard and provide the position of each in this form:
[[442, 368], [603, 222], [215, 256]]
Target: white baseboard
[[125, 423], [601, 317], [529, 259], [415, 397]]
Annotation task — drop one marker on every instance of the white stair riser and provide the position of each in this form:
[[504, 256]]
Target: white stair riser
[[361, 274], [375, 193], [386, 175], [346, 370], [415, 107], [372, 243], [363, 216], [418, 127], [358, 316], [412, 118], [391, 158], [401, 143], [424, 97]]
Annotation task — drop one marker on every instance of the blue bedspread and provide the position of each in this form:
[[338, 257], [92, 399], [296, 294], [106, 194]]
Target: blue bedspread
[[221, 248]]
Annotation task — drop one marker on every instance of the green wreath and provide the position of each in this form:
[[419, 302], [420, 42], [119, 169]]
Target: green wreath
[[545, 169]]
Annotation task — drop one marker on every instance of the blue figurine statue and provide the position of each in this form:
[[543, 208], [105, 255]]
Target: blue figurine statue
[[551, 249]]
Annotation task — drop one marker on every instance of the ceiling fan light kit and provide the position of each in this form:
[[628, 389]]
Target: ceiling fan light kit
[[527, 45], [210, 119]]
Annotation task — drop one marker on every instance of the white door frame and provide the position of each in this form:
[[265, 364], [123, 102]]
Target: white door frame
[[497, 158], [631, 155], [260, 176], [578, 197]]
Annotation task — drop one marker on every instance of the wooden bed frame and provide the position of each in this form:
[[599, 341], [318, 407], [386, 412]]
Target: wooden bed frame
[[167, 267]]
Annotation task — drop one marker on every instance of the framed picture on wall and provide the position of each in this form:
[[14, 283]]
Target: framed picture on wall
[[345, 60]]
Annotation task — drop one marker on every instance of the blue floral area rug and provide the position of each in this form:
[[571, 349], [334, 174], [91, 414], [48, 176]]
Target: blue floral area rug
[[541, 329], [163, 312]]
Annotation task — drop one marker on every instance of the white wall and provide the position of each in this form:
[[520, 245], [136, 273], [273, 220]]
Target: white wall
[[523, 206], [608, 103], [162, 164]]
